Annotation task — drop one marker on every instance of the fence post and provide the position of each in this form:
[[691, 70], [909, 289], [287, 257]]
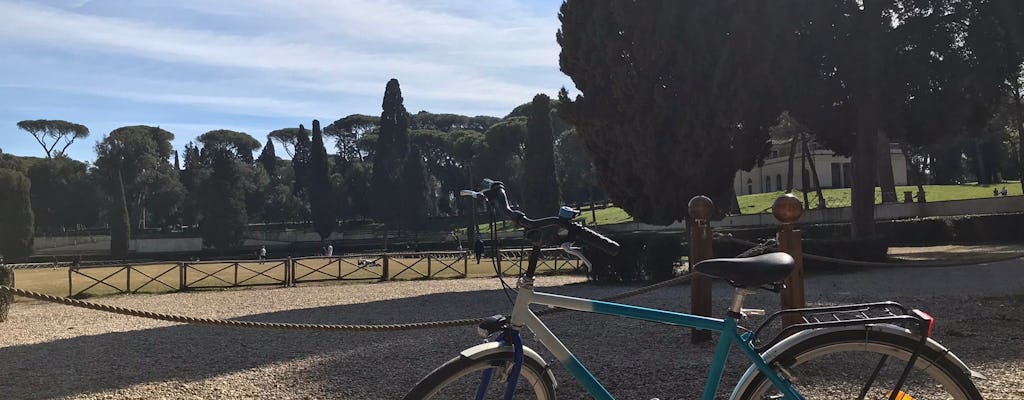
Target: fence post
[[429, 269], [465, 264], [787, 209], [289, 272], [384, 268], [700, 210], [128, 279], [69, 280], [181, 276]]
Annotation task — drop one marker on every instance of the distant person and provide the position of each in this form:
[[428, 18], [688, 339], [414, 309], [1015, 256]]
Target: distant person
[[478, 248], [263, 253], [995, 192], [330, 250], [1003, 192]]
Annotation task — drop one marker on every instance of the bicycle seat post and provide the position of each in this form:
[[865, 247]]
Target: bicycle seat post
[[736, 310]]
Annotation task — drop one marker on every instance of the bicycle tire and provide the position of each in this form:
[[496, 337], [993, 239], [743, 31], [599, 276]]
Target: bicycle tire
[[460, 377], [937, 374]]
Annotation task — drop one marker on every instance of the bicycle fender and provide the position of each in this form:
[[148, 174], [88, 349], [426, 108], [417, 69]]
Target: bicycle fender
[[779, 348], [488, 348]]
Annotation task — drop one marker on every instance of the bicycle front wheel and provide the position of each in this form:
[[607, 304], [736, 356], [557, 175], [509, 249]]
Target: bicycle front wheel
[[460, 378], [865, 364]]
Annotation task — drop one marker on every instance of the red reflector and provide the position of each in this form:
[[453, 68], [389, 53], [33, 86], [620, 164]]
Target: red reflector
[[925, 317]]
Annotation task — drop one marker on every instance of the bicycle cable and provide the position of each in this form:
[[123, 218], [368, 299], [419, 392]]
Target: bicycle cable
[[496, 260]]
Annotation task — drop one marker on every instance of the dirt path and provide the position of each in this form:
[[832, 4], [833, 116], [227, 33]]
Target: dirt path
[[51, 351]]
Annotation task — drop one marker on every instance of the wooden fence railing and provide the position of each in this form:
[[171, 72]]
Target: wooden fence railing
[[125, 278]]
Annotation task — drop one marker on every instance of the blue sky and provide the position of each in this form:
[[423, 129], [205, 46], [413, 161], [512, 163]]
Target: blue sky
[[191, 66]]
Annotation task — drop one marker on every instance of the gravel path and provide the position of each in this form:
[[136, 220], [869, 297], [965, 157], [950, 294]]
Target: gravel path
[[50, 351]]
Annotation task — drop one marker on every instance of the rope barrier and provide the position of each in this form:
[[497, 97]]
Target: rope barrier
[[294, 326]]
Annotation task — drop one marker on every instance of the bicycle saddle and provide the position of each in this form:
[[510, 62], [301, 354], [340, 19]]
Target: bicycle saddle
[[751, 271]]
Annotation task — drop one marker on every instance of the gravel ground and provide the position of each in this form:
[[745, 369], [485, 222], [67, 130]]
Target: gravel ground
[[50, 351]]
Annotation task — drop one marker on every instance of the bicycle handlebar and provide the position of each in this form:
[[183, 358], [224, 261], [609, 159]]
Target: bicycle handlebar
[[495, 194]]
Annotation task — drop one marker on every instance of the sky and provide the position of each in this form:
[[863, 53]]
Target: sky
[[192, 66]]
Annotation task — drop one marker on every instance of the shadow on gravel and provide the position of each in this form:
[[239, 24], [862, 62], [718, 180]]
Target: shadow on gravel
[[345, 363], [384, 365]]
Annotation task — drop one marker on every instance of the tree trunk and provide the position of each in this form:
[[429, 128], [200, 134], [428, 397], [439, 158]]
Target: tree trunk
[[814, 174], [120, 226], [886, 182], [867, 93], [1020, 130], [804, 179], [979, 159]]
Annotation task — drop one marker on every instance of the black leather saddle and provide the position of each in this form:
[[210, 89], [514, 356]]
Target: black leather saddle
[[751, 271]]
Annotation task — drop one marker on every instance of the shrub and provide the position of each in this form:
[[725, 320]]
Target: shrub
[[641, 257]]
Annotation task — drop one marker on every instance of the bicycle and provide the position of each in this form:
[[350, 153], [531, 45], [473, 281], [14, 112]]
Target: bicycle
[[861, 340]]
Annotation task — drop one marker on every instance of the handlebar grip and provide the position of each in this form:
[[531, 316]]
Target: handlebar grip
[[595, 239]]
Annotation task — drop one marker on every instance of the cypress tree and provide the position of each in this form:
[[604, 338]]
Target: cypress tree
[[389, 155], [300, 163], [415, 194], [16, 218], [324, 220], [268, 159], [225, 217], [540, 188]]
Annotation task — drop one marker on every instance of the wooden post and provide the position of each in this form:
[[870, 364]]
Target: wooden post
[[69, 280], [787, 209], [384, 268], [289, 272], [429, 269], [181, 276], [700, 210], [465, 264], [128, 279]]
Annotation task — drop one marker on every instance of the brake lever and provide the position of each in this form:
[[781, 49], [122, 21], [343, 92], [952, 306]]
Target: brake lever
[[567, 247]]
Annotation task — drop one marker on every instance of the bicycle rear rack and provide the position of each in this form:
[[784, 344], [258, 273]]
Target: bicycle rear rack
[[887, 312]]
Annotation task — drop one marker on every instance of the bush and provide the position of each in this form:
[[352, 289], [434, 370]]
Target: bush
[[872, 249], [987, 228], [917, 231], [648, 256], [6, 279]]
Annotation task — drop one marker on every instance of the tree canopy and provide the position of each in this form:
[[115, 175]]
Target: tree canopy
[[240, 143], [56, 132], [676, 96], [915, 70], [140, 154]]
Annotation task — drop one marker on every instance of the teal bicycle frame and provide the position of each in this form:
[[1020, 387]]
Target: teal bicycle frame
[[522, 316]]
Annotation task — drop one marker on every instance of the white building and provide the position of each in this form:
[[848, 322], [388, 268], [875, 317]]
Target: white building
[[833, 171]]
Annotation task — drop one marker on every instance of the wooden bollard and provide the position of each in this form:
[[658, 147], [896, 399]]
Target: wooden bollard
[[700, 210], [788, 209]]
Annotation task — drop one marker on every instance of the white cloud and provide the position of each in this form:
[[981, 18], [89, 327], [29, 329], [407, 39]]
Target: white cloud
[[350, 47]]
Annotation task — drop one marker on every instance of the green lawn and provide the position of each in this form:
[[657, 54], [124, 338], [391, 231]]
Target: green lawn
[[834, 198]]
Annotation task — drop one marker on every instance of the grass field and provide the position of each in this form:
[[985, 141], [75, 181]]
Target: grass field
[[166, 277], [834, 198]]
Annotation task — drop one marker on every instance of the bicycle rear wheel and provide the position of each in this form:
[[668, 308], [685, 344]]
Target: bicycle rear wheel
[[864, 364], [460, 378]]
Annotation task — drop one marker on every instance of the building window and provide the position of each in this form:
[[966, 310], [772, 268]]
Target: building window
[[767, 184], [750, 186], [778, 181], [775, 154]]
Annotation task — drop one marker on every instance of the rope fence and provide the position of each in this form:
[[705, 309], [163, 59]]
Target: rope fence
[[8, 291]]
